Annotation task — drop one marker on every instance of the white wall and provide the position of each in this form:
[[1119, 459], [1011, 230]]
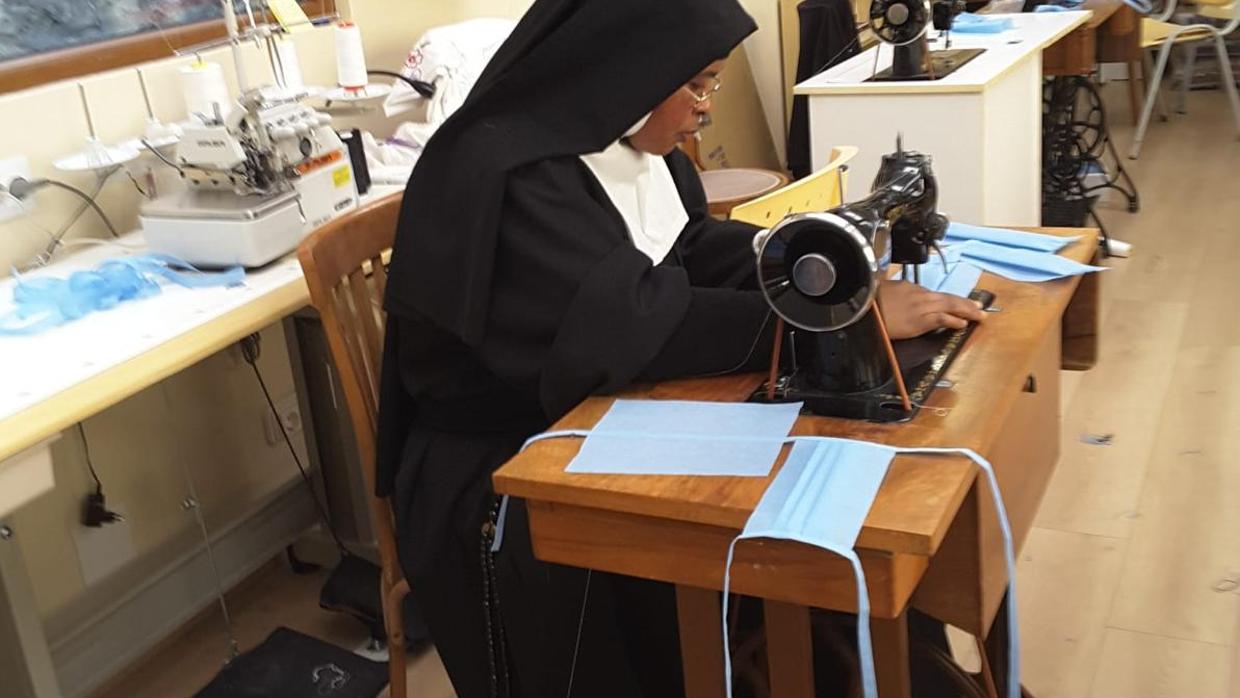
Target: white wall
[[763, 50]]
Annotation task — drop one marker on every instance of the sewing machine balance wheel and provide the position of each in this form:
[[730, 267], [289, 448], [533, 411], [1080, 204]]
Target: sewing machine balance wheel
[[898, 21], [818, 271]]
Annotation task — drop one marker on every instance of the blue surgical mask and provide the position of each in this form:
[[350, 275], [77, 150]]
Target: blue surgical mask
[[43, 302], [821, 497]]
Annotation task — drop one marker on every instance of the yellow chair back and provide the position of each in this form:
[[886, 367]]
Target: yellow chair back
[[819, 191]]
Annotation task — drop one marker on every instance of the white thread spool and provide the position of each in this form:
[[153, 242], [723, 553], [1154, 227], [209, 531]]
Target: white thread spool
[[350, 60], [203, 86], [286, 53]]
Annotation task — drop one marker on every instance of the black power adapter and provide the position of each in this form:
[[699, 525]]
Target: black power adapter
[[95, 512]]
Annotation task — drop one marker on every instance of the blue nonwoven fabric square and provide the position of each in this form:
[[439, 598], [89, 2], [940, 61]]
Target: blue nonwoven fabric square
[[1008, 238], [1023, 265], [959, 279], [678, 437]]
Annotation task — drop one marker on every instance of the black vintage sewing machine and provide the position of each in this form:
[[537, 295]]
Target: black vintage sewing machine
[[820, 273], [903, 24]]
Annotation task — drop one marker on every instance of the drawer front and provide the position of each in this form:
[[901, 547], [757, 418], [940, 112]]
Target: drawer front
[[968, 575]]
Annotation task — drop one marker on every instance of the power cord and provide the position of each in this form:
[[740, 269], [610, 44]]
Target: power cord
[[21, 188], [95, 512], [161, 156], [251, 348]]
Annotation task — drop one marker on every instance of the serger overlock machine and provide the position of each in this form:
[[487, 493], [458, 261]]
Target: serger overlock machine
[[820, 274], [260, 174]]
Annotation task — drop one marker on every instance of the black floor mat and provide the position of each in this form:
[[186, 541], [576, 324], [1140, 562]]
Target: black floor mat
[[291, 665]]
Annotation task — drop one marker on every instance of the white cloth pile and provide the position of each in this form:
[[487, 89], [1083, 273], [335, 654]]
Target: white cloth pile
[[451, 58]]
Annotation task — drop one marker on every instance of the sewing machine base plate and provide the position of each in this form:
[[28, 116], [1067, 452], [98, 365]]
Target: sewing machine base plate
[[942, 64], [924, 360]]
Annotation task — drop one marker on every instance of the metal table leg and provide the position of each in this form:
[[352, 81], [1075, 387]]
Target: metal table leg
[[25, 659]]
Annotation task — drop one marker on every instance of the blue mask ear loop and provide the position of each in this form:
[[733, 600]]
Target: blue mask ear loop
[[864, 643], [865, 647], [1009, 550]]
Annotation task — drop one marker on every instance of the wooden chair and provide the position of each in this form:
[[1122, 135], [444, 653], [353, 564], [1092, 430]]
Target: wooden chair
[[343, 265], [820, 191]]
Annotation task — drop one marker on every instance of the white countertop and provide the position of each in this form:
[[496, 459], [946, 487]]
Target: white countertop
[[1032, 32], [36, 368]]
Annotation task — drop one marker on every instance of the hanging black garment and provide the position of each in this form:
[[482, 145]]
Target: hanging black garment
[[828, 36]]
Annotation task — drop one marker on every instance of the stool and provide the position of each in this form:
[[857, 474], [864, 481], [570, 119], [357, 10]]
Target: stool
[[733, 186]]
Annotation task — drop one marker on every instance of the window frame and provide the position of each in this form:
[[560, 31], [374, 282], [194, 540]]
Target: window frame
[[110, 54]]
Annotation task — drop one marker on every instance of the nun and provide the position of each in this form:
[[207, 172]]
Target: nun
[[553, 244]]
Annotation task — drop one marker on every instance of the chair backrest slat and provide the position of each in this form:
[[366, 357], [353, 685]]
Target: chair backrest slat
[[343, 265], [819, 191]]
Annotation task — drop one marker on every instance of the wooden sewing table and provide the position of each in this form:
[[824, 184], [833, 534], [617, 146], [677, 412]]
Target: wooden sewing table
[[1112, 35], [931, 540]]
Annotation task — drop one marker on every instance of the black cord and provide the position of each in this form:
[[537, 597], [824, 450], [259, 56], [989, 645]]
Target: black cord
[[250, 349], [90, 463], [425, 89], [137, 186], [757, 339]]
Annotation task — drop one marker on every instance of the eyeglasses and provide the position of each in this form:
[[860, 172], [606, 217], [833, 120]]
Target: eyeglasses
[[703, 94]]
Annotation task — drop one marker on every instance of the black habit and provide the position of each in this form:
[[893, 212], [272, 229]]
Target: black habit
[[515, 292]]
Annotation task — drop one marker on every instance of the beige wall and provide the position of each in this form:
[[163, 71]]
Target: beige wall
[[765, 60]]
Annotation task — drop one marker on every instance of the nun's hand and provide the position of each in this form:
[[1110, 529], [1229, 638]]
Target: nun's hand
[[911, 310]]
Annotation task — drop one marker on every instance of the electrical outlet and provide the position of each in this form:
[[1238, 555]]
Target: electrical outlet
[[10, 169], [289, 410], [104, 550]]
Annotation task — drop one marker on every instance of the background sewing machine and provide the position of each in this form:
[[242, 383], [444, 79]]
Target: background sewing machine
[[820, 274], [904, 24], [260, 174], [258, 179]]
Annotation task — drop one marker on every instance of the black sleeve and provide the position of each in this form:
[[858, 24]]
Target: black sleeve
[[716, 253], [577, 309]]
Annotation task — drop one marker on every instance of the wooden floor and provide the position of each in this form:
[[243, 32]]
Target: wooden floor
[[1129, 586], [1125, 586]]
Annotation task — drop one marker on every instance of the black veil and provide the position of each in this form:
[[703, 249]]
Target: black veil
[[572, 77]]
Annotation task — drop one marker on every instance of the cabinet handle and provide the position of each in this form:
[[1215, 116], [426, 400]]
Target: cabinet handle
[[1031, 384]]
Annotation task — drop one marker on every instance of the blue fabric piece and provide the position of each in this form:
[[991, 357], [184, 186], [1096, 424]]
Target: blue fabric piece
[[46, 302], [1041, 242], [1022, 265], [820, 497], [969, 23], [676, 437], [959, 279], [1042, 9]]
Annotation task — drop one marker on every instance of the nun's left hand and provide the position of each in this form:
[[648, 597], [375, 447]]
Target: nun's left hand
[[911, 310]]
